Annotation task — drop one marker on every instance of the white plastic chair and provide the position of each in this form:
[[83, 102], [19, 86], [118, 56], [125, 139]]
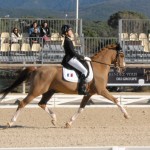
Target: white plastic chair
[[15, 47], [36, 47], [5, 47], [134, 37], [55, 37], [5, 37], [25, 47]]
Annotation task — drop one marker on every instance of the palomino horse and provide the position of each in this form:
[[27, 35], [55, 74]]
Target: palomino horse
[[47, 80]]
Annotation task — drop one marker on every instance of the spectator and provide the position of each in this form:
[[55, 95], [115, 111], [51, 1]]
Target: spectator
[[34, 36], [45, 32], [33, 26], [15, 36]]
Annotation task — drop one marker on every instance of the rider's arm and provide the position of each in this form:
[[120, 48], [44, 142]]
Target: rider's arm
[[72, 51]]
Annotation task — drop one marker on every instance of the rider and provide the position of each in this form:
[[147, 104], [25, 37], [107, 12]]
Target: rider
[[73, 58]]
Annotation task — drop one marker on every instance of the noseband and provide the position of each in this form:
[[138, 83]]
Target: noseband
[[119, 51]]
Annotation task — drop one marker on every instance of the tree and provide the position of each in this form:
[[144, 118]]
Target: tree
[[96, 29], [114, 18]]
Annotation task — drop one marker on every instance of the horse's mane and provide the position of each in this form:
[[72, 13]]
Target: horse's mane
[[104, 49]]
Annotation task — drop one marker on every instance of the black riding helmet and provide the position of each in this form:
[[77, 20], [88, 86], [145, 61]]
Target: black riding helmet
[[64, 29]]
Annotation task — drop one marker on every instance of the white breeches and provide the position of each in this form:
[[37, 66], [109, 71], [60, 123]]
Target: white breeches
[[77, 65]]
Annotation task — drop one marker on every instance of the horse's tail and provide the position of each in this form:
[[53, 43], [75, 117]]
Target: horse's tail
[[23, 76]]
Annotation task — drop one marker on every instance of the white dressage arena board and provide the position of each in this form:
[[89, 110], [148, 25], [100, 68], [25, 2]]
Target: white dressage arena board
[[67, 100]]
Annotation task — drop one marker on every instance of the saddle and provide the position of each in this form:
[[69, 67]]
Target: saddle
[[72, 75]]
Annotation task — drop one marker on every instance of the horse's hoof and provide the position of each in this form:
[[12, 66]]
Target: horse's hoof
[[127, 116], [53, 122], [7, 126], [67, 125]]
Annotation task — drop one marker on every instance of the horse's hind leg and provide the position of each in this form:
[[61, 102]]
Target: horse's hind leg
[[21, 105], [107, 95], [45, 98]]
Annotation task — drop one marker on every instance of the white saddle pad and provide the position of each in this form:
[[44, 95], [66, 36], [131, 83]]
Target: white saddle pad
[[72, 76]]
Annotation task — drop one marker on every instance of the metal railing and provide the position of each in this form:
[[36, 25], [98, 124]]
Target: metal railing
[[134, 26], [23, 24], [53, 51], [26, 52], [93, 45], [49, 52], [134, 35]]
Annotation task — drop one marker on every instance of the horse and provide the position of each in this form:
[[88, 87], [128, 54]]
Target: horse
[[47, 80]]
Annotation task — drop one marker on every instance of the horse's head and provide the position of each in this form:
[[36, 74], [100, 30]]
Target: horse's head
[[119, 61], [111, 54]]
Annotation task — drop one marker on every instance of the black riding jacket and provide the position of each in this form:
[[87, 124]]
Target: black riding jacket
[[70, 52]]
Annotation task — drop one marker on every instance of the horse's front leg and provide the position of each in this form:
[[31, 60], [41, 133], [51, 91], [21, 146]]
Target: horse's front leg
[[81, 108], [107, 95]]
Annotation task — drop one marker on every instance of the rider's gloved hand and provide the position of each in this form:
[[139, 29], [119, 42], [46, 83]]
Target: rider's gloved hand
[[87, 59]]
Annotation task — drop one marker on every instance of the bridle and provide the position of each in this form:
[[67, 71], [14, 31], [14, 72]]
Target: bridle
[[117, 59], [118, 50]]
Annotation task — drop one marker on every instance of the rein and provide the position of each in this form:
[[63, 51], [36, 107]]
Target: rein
[[101, 63]]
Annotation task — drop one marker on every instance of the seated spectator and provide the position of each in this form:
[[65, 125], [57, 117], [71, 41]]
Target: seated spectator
[[15, 36], [45, 32], [34, 36], [33, 26]]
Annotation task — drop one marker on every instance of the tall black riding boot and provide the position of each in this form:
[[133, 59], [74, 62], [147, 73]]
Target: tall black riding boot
[[82, 87]]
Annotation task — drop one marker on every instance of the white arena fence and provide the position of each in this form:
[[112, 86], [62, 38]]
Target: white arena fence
[[67, 100]]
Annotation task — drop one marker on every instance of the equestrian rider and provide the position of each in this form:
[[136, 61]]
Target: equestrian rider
[[73, 58]]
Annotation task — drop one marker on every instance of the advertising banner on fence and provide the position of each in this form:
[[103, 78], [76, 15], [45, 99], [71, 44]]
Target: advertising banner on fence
[[131, 76]]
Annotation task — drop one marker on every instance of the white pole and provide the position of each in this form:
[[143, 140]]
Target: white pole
[[24, 88], [77, 14]]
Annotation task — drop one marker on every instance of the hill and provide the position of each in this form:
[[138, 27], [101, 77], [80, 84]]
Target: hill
[[89, 9]]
